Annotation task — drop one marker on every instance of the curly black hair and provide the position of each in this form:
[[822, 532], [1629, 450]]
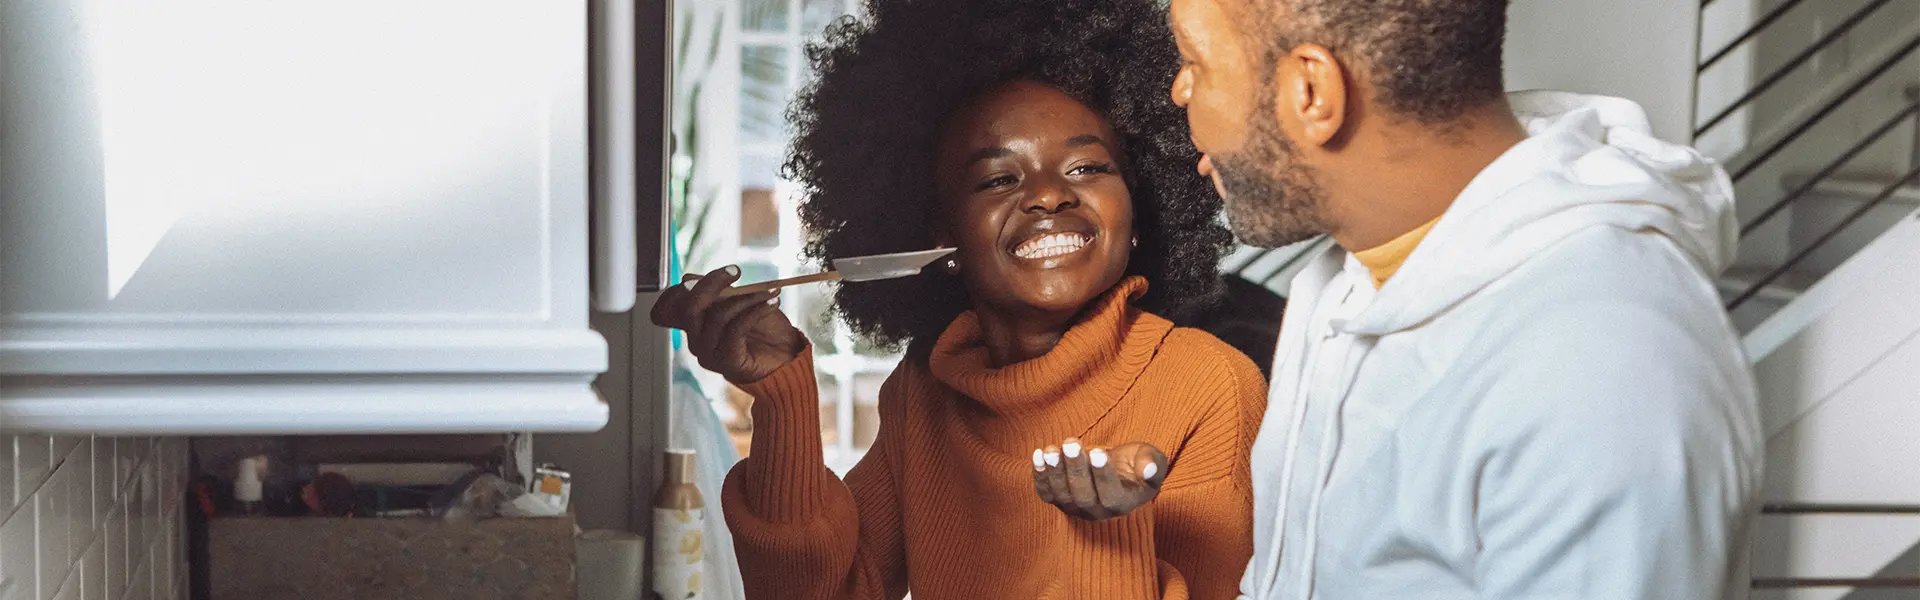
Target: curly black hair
[[866, 130]]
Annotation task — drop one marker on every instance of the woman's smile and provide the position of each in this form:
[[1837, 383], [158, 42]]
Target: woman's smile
[[1037, 200], [1046, 243], [1052, 245]]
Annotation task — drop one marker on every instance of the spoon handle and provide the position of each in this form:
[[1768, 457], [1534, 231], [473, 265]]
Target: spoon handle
[[767, 286]]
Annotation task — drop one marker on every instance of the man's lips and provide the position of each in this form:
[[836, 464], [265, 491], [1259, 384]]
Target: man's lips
[[1206, 170]]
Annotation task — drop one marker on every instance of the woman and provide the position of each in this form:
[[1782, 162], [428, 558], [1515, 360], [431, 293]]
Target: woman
[[1035, 138]]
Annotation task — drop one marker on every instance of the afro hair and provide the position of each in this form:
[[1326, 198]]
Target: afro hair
[[865, 132]]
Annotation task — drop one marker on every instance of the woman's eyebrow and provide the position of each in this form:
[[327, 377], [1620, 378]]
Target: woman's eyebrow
[[988, 153], [1085, 139]]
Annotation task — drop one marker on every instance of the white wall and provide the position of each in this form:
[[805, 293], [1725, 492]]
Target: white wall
[[1642, 50], [92, 518]]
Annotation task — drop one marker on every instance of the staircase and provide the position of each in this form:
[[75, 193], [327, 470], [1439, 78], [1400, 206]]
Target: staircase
[[1813, 108], [1840, 372]]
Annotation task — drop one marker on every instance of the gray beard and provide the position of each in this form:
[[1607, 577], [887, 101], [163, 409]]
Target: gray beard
[[1272, 200]]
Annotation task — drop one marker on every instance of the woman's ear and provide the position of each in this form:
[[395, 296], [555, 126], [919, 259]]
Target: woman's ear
[[951, 263], [937, 228]]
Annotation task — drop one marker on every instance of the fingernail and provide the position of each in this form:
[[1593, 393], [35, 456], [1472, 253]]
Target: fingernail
[[1039, 461], [774, 301], [1098, 457], [1147, 472], [1053, 459], [1072, 449], [733, 270]]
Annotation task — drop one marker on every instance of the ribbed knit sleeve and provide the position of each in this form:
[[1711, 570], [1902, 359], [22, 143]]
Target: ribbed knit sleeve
[[800, 533]]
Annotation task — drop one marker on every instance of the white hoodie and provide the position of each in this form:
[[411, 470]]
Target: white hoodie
[[1545, 401]]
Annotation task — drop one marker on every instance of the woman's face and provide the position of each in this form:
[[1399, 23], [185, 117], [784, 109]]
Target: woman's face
[[1034, 199]]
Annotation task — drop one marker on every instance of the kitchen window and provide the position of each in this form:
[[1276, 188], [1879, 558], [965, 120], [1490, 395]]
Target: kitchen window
[[746, 214]]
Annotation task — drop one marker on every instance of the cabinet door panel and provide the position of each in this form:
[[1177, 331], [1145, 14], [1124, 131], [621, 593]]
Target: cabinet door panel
[[233, 187]]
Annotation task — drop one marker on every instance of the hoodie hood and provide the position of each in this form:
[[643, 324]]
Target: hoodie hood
[[1588, 161]]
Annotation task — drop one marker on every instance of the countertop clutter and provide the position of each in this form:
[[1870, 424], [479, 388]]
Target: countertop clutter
[[350, 519], [352, 559]]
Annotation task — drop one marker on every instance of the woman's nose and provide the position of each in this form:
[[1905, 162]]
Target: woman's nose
[[1050, 198]]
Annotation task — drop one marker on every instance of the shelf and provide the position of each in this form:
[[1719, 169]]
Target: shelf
[[228, 405]]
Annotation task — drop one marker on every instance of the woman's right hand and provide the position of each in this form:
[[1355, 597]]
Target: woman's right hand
[[1095, 484], [743, 338]]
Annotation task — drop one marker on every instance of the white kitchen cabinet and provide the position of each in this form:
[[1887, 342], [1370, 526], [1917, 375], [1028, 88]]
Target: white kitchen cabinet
[[297, 217]]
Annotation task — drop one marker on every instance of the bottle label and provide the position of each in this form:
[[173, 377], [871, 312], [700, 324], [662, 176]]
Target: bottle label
[[678, 545]]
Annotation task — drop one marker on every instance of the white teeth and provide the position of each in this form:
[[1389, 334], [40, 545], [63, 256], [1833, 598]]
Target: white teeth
[[1051, 245]]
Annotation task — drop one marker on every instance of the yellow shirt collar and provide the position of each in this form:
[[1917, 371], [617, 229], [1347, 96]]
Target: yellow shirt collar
[[1384, 260]]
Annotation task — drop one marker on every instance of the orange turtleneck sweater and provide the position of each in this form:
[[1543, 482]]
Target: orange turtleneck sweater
[[944, 503]]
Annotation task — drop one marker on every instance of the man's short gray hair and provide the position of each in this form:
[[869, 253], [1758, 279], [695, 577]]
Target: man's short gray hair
[[1428, 60]]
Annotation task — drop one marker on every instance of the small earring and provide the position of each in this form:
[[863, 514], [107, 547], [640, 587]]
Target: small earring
[[1136, 241], [952, 265]]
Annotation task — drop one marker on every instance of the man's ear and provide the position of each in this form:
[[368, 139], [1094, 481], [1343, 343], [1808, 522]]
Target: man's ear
[[1312, 93]]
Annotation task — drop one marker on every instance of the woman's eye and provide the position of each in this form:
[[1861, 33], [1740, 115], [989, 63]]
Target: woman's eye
[[997, 182], [1097, 168]]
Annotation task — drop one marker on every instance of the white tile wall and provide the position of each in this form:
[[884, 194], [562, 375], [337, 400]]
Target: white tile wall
[[92, 518]]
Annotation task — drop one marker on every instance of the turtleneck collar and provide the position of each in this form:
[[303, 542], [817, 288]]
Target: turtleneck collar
[[1084, 375]]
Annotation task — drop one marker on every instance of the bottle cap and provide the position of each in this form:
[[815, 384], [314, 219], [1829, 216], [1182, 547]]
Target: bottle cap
[[679, 466]]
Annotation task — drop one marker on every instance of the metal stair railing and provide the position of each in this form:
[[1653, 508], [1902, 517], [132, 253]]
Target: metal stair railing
[[1773, 148]]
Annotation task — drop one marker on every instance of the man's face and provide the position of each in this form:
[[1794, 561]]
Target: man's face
[[1272, 196]]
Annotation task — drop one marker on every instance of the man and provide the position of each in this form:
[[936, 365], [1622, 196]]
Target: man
[[1512, 377]]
